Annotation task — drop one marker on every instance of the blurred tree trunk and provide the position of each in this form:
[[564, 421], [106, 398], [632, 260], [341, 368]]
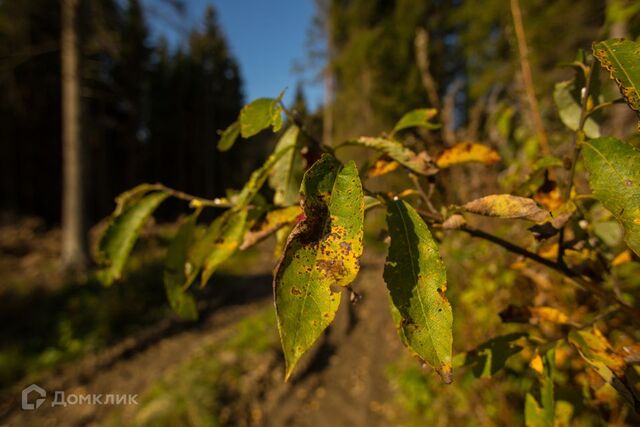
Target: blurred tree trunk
[[73, 236]]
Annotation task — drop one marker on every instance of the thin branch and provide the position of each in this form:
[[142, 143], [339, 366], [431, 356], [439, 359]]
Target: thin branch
[[216, 203], [293, 116], [571, 275], [604, 105], [527, 78], [577, 139], [424, 196]]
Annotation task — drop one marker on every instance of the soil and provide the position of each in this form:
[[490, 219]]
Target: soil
[[341, 382]]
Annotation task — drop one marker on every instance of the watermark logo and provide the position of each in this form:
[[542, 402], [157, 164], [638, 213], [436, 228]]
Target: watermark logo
[[27, 393], [34, 396]]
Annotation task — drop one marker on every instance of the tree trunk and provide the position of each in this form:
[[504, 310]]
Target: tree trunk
[[73, 232]]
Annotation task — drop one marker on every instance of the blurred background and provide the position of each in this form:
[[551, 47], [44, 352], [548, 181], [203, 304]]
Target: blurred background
[[97, 96]]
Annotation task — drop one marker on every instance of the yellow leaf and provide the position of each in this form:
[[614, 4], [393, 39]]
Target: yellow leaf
[[383, 167], [536, 364], [467, 152], [508, 206], [622, 258], [549, 314]]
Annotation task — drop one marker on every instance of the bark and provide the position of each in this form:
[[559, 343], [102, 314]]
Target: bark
[[73, 225]]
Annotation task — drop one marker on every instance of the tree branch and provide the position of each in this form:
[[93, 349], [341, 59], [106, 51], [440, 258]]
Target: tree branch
[[527, 78]]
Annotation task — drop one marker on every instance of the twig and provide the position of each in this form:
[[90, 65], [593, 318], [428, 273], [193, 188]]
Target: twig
[[424, 196], [303, 130], [604, 105], [570, 274], [216, 203], [527, 78], [577, 138]]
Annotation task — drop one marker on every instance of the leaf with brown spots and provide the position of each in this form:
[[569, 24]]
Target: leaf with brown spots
[[417, 281], [467, 152], [507, 206], [321, 254], [614, 177], [621, 59]]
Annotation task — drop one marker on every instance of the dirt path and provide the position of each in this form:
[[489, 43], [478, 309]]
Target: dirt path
[[341, 383]]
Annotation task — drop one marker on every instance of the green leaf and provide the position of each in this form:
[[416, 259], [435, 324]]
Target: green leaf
[[621, 59], [182, 303], [490, 357], [287, 172], [229, 136], [121, 234], [129, 197], [272, 222], [417, 118], [419, 163], [226, 242], [567, 96], [259, 115], [258, 178], [321, 255], [614, 177], [219, 242], [417, 281], [543, 414]]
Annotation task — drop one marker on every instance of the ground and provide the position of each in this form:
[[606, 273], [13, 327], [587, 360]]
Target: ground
[[342, 382]]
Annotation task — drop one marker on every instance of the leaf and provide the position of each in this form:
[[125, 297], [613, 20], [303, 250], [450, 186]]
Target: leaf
[[620, 58], [229, 136], [382, 167], [417, 281], [121, 234], [272, 222], [321, 254], [259, 115], [417, 118], [288, 170], [567, 96], [129, 197], [614, 177], [419, 163], [224, 243], [597, 352], [217, 237], [507, 206], [543, 414], [467, 152], [258, 178], [182, 303], [490, 357]]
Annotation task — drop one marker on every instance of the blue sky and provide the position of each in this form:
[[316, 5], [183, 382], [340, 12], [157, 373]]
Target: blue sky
[[266, 37]]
